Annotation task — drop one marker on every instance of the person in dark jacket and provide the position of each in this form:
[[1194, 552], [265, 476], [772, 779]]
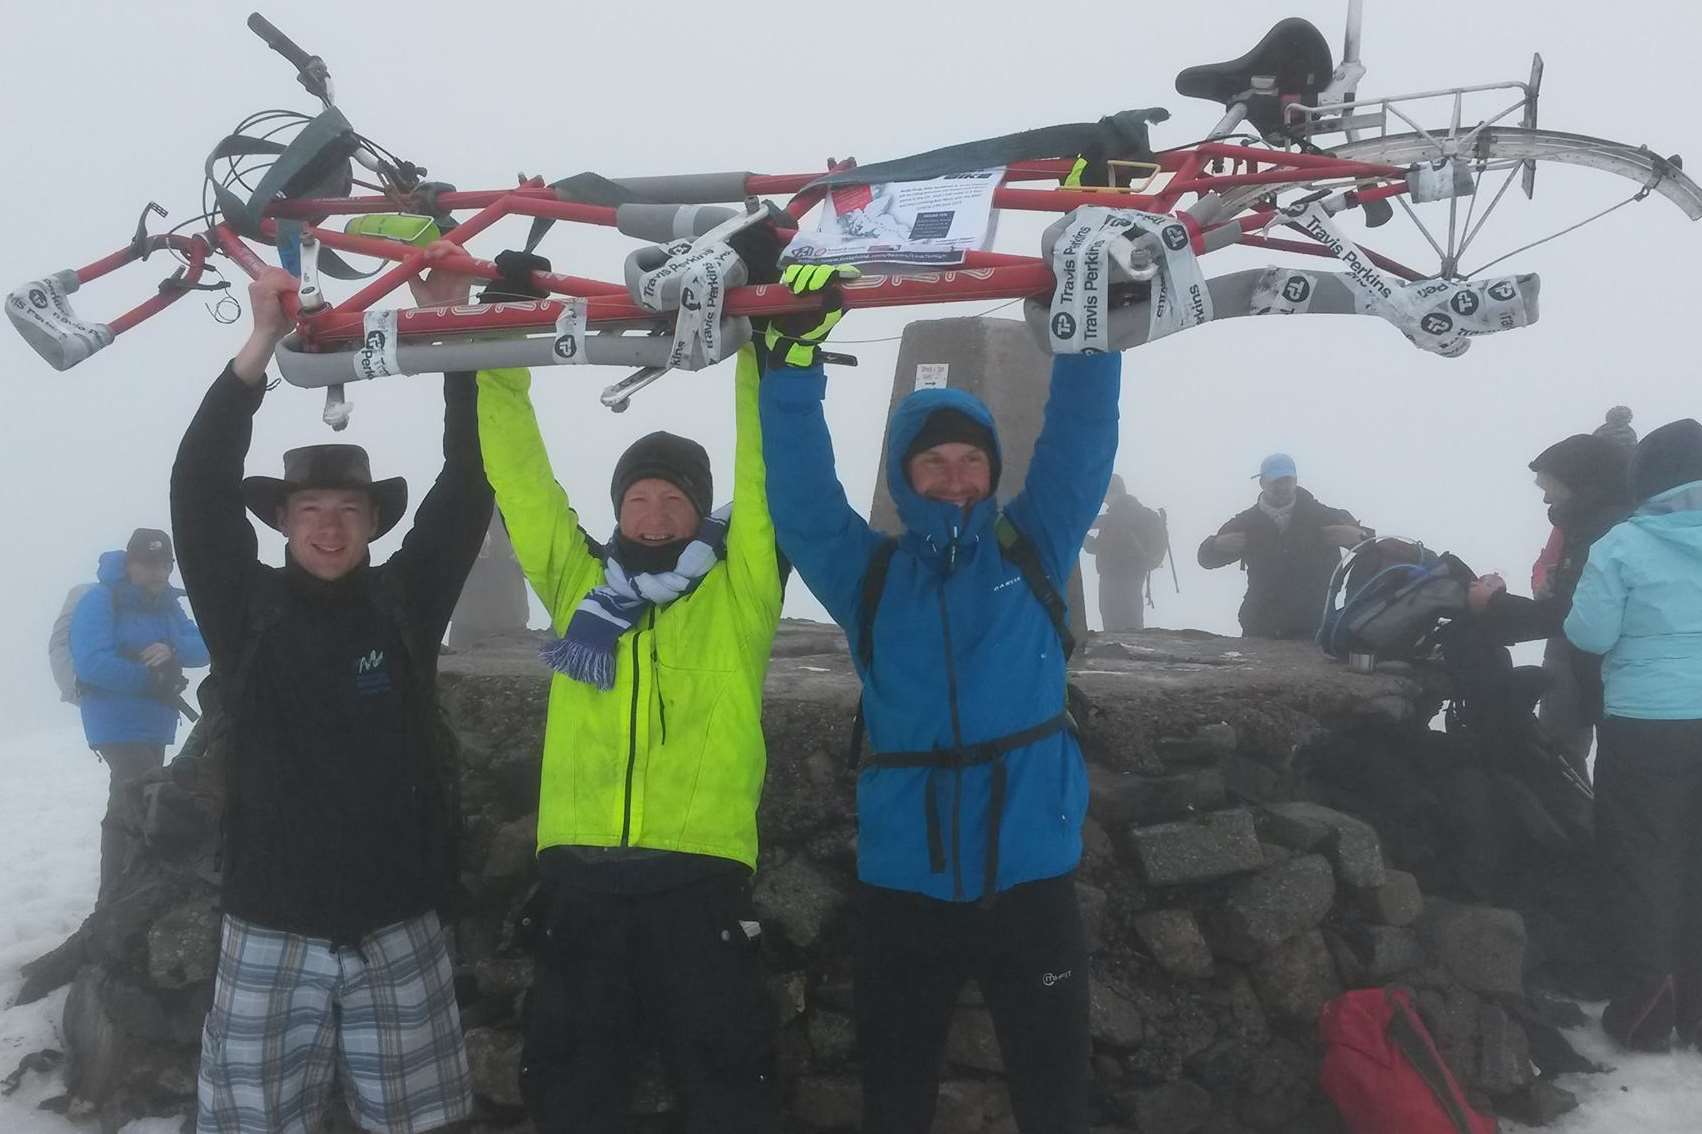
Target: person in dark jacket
[[1128, 542], [1584, 483], [130, 643], [1289, 544], [1638, 604], [338, 816], [970, 808]]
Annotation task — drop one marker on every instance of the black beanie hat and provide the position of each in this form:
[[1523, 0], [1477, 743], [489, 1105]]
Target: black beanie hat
[[680, 461], [148, 545], [1592, 466], [945, 426], [1666, 458]]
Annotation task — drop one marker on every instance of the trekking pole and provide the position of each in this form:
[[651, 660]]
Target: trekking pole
[[183, 707], [1170, 552]]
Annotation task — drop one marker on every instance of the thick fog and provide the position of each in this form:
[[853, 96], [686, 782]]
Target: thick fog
[[111, 105]]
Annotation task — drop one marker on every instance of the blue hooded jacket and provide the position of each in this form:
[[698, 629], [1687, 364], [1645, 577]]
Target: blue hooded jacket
[[112, 624], [963, 651], [1639, 602]]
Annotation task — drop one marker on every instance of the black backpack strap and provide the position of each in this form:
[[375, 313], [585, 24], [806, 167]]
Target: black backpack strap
[[265, 610], [1409, 1041], [1015, 546], [868, 602], [955, 760]]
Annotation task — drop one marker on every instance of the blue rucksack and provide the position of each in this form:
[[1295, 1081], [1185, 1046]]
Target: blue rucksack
[[1388, 598]]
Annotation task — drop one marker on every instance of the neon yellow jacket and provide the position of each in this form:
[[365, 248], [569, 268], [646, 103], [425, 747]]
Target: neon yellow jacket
[[672, 757]]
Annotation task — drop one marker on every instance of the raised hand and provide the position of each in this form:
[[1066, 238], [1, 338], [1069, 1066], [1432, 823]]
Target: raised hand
[[441, 287], [270, 321]]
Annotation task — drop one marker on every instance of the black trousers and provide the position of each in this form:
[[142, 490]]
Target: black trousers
[[1028, 953], [1649, 839], [127, 763], [679, 970]]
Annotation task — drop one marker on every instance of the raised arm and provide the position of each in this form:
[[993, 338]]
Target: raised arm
[[1071, 466], [450, 523], [216, 548], [823, 536], [753, 561], [552, 548]]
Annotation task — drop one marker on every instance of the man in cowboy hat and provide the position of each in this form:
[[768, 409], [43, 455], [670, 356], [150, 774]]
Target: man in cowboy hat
[[338, 818]]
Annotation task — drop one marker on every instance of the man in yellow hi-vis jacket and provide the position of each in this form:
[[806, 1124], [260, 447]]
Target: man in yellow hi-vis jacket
[[652, 769]]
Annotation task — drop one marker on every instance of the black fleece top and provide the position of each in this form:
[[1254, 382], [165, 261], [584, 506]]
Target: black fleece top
[[335, 820]]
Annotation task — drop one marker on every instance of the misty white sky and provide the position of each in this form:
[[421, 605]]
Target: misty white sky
[[112, 105]]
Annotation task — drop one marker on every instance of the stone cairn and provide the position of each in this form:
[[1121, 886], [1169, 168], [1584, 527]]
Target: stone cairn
[[1223, 907]]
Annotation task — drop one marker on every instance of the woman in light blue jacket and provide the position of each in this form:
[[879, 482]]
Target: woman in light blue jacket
[[1639, 604]]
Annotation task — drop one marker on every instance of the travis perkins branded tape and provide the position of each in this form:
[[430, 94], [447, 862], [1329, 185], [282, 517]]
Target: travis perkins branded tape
[[569, 343], [1440, 316], [376, 357], [1094, 250]]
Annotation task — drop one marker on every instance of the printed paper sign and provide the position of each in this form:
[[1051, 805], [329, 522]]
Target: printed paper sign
[[931, 375], [902, 222]]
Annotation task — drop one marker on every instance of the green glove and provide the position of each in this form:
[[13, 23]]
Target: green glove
[[794, 338]]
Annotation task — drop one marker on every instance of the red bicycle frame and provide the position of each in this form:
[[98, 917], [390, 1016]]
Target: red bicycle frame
[[1212, 167]]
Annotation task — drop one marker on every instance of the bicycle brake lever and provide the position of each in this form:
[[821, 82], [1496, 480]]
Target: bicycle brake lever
[[619, 396], [139, 242]]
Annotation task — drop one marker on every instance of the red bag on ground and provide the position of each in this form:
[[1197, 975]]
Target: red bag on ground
[[1383, 1072]]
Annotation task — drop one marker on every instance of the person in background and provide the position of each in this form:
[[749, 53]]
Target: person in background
[[1584, 483], [1638, 604], [1128, 542], [1289, 545], [129, 642], [1616, 427]]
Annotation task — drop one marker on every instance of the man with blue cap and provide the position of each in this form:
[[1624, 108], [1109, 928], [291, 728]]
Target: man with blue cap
[[1289, 544]]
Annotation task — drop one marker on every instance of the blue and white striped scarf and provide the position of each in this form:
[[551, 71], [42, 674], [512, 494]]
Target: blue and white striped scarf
[[587, 651]]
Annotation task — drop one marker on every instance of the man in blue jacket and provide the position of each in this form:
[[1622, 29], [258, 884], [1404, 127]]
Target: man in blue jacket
[[130, 643], [1639, 604], [970, 808]]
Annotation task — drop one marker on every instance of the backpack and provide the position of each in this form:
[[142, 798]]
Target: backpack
[[1154, 536], [1382, 1071], [59, 646], [1389, 597], [1014, 546]]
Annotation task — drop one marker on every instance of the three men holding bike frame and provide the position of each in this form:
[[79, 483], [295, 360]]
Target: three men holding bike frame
[[970, 809]]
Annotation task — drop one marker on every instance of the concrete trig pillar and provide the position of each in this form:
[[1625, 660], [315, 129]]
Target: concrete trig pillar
[[998, 361]]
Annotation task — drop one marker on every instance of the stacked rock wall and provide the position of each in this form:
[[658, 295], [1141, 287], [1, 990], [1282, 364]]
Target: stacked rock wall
[[1223, 908]]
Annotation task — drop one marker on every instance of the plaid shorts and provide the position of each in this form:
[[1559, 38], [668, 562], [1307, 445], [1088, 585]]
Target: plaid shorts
[[286, 1006]]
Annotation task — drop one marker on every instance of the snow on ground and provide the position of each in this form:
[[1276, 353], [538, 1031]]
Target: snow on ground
[[1649, 1094], [53, 796]]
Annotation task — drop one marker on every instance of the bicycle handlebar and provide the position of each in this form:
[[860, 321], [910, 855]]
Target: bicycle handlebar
[[278, 41]]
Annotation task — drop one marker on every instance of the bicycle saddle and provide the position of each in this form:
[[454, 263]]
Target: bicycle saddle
[[1293, 54]]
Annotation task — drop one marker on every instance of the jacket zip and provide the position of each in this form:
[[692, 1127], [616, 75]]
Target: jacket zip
[[632, 738], [661, 701], [957, 735]]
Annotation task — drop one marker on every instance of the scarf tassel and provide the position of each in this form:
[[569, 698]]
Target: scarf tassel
[[580, 662]]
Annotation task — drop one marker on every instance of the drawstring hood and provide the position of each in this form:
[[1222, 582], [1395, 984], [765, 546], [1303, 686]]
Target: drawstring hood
[[935, 530]]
